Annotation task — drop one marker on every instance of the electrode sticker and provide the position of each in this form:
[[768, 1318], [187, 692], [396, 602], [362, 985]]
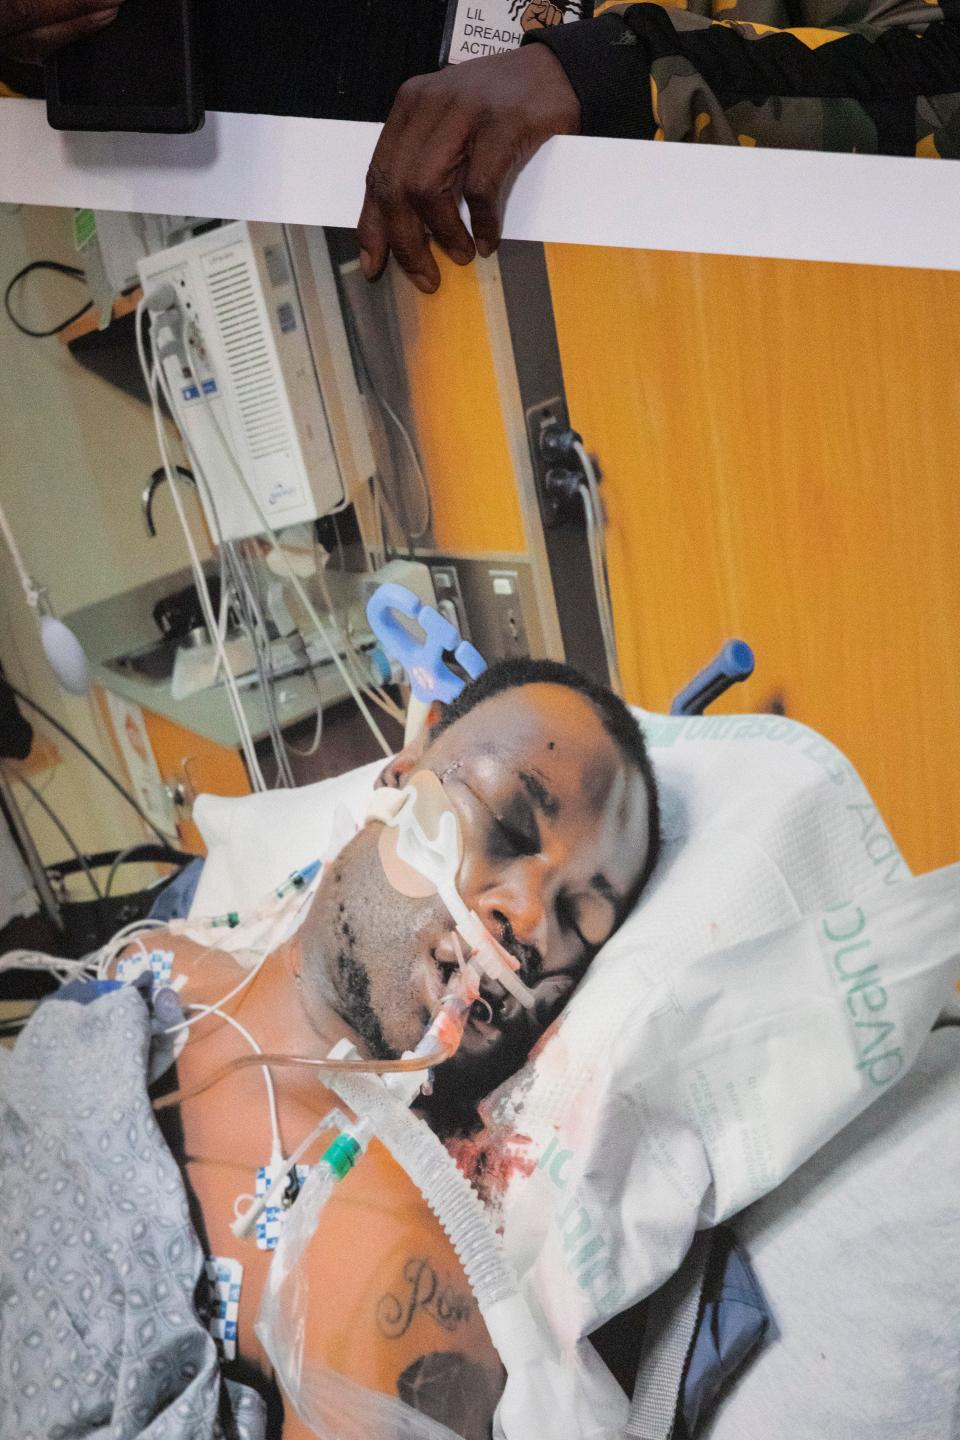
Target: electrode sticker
[[158, 962], [489, 27], [161, 963], [132, 967], [222, 1306], [271, 1220]]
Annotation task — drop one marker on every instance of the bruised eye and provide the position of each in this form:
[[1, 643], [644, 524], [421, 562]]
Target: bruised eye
[[509, 840], [510, 833], [569, 920]]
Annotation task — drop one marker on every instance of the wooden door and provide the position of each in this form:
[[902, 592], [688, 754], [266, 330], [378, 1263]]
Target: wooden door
[[779, 442]]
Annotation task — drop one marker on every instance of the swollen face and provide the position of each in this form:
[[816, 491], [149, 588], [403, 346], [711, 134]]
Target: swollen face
[[554, 822]]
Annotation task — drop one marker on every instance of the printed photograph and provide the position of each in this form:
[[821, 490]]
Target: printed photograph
[[479, 814]]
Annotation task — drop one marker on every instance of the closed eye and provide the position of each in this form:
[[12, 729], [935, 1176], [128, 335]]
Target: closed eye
[[567, 918], [516, 840], [511, 839], [591, 916]]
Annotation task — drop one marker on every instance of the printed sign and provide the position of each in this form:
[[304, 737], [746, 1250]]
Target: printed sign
[[145, 779], [489, 27]]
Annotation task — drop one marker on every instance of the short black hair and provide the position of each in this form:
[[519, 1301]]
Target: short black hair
[[619, 723]]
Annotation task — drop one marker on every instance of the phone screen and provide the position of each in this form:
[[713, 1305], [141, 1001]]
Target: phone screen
[[141, 65]]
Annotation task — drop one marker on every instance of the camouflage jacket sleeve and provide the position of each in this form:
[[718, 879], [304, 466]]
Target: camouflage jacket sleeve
[[880, 76]]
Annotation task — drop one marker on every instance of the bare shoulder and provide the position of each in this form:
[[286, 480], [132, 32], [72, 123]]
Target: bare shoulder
[[203, 972]]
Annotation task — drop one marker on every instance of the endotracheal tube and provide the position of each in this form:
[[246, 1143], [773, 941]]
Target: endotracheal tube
[[440, 1040]]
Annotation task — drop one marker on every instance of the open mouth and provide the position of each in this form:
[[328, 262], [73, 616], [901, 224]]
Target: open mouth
[[485, 1014]]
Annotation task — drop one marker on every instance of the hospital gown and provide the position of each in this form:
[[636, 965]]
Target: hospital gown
[[99, 1263]]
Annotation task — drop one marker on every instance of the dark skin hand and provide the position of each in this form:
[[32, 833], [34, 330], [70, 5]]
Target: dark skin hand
[[465, 132], [30, 30]]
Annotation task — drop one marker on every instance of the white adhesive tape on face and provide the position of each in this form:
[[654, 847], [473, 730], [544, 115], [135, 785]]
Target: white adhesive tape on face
[[385, 804], [420, 849], [420, 846]]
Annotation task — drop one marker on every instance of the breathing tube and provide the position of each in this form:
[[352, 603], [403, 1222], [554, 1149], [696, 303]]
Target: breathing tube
[[440, 1041], [435, 1173], [420, 849], [539, 1379]]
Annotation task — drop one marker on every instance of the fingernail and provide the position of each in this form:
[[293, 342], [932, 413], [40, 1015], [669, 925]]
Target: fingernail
[[484, 249], [366, 263], [461, 257], [425, 284]]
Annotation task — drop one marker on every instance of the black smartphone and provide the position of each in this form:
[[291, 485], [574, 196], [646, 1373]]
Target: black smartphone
[[141, 72]]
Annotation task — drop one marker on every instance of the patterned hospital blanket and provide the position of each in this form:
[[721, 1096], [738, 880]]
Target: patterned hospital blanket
[[99, 1263]]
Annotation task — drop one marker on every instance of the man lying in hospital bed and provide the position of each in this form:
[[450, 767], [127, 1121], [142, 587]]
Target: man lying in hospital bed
[[550, 785], [395, 1313]]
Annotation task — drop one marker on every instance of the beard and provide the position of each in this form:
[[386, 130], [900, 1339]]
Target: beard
[[463, 1081], [364, 948]]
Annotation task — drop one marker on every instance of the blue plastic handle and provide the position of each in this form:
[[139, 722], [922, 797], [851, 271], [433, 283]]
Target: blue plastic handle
[[734, 663], [423, 659]]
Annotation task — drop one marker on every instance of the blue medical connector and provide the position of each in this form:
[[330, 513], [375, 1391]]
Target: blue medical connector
[[734, 663], [424, 660]]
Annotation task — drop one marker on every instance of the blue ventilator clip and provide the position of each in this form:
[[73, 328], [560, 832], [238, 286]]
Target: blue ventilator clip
[[424, 660]]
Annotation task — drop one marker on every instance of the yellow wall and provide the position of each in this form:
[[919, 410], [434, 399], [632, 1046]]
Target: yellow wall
[[457, 414], [779, 442]]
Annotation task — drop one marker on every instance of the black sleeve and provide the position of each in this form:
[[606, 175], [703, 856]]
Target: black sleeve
[[18, 79], [653, 72], [608, 69]]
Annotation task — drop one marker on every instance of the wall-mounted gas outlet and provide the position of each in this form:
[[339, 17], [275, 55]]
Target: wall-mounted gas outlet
[[557, 483], [491, 599], [450, 603], [510, 629]]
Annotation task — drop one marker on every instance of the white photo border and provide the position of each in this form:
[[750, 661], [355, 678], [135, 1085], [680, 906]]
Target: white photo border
[[790, 204]]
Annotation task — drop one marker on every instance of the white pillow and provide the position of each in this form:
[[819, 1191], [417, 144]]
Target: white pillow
[[740, 795], [255, 841]]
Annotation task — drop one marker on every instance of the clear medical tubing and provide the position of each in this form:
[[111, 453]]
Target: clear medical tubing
[[370, 1067], [331, 1406], [435, 1173]]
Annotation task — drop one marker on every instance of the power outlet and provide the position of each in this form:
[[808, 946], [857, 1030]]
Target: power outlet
[[507, 608]]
